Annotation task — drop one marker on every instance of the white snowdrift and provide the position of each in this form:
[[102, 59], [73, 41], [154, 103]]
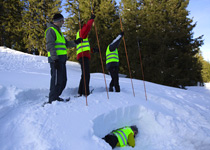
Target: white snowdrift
[[171, 119]]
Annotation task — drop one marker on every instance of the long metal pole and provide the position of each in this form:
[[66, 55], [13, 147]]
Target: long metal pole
[[100, 56], [142, 70], [127, 58], [83, 60], [102, 62]]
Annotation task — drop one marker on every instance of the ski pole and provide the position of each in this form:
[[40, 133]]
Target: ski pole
[[127, 57], [142, 71], [100, 56], [82, 59]]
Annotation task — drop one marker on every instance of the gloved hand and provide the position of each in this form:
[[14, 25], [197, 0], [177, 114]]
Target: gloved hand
[[122, 33], [92, 16], [56, 64], [79, 40], [95, 50]]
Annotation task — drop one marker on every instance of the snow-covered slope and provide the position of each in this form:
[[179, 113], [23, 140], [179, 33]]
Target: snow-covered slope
[[171, 118]]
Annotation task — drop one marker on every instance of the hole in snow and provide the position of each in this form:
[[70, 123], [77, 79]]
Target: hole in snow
[[125, 116], [157, 129]]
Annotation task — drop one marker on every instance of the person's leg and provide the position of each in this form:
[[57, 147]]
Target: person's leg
[[87, 76], [111, 139], [116, 78], [53, 82], [62, 78], [81, 79], [111, 84]]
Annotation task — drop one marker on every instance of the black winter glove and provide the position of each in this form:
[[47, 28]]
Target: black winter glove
[[92, 16], [95, 50], [79, 40], [122, 33], [56, 64]]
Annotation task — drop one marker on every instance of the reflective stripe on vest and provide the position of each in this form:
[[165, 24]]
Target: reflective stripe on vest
[[60, 43], [111, 56], [122, 135], [84, 46]]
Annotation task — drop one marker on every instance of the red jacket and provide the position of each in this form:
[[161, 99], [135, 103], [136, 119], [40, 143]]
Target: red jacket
[[83, 34]]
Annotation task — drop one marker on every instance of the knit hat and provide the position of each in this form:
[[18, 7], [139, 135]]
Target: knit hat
[[57, 17], [134, 128]]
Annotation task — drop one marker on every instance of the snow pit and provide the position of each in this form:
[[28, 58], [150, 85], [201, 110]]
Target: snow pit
[[124, 116]]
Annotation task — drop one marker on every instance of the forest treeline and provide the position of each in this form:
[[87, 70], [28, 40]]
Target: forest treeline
[[162, 28]]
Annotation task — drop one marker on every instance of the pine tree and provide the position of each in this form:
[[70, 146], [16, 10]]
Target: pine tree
[[2, 19], [168, 46], [11, 24], [36, 16], [107, 24], [72, 24], [205, 69], [129, 13]]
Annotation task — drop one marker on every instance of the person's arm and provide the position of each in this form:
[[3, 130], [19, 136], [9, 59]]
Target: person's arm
[[50, 42], [70, 44], [131, 140], [116, 42], [86, 28], [74, 43]]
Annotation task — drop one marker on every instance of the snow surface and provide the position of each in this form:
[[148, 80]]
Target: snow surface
[[171, 118]]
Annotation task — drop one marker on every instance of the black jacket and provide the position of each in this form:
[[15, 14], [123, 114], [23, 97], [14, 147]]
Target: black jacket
[[115, 43]]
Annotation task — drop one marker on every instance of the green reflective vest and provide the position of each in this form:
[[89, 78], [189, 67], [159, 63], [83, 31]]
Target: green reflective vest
[[60, 43], [84, 46], [111, 56], [122, 135]]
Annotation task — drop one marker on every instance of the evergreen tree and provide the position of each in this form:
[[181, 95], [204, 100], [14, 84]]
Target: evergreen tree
[[205, 69], [2, 19], [36, 16], [11, 24], [167, 42], [107, 24], [129, 13], [72, 23]]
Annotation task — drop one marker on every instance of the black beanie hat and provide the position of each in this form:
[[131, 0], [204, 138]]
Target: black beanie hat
[[57, 17], [134, 128]]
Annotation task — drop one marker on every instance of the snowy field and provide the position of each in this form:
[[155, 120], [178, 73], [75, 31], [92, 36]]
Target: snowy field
[[171, 118]]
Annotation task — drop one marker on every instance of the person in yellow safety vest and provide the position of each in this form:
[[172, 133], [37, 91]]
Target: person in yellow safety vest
[[112, 62], [83, 54], [56, 45], [122, 137]]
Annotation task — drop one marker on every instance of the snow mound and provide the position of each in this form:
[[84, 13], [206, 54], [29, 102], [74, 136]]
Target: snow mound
[[15, 60], [170, 119]]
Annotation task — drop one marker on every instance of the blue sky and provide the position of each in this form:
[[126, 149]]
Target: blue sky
[[199, 11]]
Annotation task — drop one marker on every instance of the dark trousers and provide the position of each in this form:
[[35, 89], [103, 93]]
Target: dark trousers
[[114, 71], [86, 68], [58, 81], [111, 139]]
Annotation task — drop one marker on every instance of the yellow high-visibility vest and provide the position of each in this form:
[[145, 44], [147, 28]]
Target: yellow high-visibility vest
[[111, 56], [83, 46], [122, 135], [60, 43]]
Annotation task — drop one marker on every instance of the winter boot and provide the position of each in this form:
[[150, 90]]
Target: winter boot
[[117, 88], [60, 99], [111, 89]]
